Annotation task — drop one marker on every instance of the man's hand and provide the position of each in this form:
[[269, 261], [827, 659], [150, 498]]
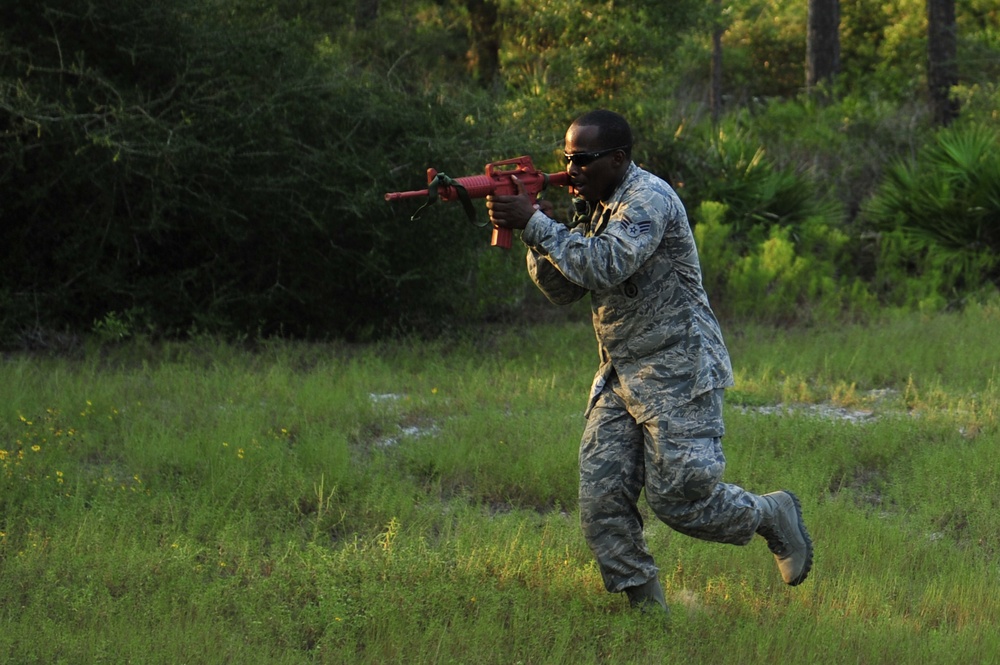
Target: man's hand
[[514, 211]]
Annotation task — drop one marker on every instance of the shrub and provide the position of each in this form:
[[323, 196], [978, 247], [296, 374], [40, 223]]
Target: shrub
[[219, 169], [792, 276], [729, 165], [939, 219], [844, 145], [715, 252]]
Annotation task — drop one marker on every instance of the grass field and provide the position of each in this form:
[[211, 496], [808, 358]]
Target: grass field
[[416, 503]]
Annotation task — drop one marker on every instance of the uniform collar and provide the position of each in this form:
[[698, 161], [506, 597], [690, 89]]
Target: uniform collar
[[602, 211]]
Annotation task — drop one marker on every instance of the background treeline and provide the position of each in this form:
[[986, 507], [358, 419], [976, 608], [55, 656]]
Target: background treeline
[[219, 166]]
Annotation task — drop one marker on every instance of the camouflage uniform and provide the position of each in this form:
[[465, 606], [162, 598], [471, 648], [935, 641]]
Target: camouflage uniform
[[655, 408]]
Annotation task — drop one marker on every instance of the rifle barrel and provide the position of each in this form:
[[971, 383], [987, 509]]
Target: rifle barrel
[[415, 194]]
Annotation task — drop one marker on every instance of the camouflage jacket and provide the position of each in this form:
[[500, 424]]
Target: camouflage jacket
[[636, 256]]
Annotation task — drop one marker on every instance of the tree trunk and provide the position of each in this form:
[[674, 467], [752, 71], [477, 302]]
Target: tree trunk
[[942, 67], [484, 41], [822, 42]]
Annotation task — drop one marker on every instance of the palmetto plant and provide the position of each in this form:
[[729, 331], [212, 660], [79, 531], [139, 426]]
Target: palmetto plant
[[945, 204], [734, 169]]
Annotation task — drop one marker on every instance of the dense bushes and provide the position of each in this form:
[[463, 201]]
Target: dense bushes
[[938, 216], [793, 275], [188, 166], [184, 168]]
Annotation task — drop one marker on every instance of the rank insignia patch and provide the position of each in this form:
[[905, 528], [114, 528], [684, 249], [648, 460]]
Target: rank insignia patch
[[636, 229]]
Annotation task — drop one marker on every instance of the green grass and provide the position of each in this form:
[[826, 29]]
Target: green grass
[[198, 503]]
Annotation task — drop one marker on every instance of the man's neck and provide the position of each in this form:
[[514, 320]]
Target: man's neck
[[618, 183]]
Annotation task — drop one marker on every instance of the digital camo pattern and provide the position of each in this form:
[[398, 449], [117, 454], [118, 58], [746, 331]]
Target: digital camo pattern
[[655, 407], [637, 258], [680, 462]]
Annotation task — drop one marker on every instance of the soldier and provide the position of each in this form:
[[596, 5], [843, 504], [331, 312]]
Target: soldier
[[654, 416]]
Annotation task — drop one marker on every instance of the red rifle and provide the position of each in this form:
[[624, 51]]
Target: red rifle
[[498, 180]]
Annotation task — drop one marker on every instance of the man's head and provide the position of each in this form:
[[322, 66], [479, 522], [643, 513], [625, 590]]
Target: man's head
[[598, 153]]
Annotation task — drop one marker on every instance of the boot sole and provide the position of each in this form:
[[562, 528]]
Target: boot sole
[[805, 534]]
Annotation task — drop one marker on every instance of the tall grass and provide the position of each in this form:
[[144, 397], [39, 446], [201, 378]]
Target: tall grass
[[199, 503]]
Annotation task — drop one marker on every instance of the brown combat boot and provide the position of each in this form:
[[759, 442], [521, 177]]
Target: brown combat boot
[[782, 526]]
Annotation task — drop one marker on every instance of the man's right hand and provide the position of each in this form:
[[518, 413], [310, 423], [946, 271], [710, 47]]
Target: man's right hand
[[512, 211]]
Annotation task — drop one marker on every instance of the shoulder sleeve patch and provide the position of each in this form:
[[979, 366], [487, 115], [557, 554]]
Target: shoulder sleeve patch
[[636, 229]]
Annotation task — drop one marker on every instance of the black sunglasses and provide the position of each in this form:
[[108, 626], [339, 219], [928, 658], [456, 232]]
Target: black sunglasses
[[584, 158]]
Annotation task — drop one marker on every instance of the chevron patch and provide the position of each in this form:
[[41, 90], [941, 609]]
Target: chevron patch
[[636, 229]]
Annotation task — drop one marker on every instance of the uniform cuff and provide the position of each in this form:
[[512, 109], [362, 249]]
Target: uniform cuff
[[533, 230]]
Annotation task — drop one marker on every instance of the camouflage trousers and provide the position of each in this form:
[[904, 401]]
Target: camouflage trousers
[[678, 458]]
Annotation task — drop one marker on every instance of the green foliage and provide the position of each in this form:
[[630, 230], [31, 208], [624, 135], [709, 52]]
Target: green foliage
[[565, 57], [774, 270], [796, 274], [119, 326], [771, 237], [765, 49], [883, 47], [220, 166], [844, 145], [940, 215], [979, 102], [715, 252], [735, 170], [220, 172]]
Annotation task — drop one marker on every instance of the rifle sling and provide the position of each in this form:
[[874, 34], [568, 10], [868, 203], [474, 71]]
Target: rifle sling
[[432, 196]]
